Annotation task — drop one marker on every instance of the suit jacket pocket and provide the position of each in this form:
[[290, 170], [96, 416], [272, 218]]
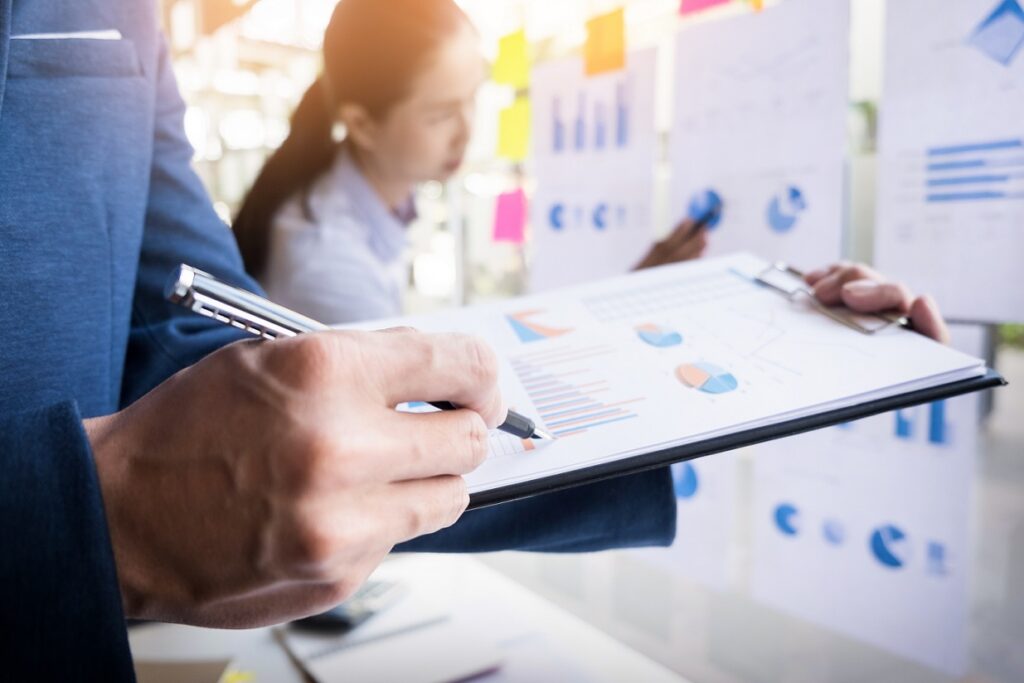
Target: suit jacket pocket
[[71, 57]]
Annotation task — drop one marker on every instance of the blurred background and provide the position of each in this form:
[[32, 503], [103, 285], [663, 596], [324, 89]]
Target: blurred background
[[887, 550]]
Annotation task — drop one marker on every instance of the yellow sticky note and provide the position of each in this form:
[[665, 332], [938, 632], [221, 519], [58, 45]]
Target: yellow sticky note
[[605, 49], [514, 130], [513, 64]]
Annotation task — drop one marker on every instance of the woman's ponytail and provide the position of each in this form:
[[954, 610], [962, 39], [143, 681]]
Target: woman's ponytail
[[306, 154]]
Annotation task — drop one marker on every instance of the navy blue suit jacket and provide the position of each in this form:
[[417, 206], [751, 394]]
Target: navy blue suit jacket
[[97, 205]]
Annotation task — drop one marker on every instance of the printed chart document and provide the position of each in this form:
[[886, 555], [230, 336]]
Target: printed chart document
[[675, 362], [951, 154], [760, 127]]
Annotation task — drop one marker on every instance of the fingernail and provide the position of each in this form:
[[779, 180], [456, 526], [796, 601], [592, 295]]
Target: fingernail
[[860, 287]]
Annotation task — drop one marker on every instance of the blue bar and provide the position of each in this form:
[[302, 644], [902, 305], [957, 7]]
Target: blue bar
[[904, 426], [977, 147], [576, 418], [571, 410], [966, 196], [1014, 162], [954, 165], [559, 397], [969, 179], [555, 405], [937, 432], [596, 424]]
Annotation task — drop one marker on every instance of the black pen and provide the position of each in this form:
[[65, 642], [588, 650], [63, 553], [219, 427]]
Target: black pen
[[206, 295]]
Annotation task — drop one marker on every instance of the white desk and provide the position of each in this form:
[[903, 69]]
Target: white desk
[[540, 641]]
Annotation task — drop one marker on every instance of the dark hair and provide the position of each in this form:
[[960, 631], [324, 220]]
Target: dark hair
[[373, 49]]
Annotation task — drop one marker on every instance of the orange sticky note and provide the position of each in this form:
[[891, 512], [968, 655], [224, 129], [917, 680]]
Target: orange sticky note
[[513, 64], [514, 130], [605, 49]]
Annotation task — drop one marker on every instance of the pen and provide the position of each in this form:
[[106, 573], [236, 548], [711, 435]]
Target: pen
[[206, 295]]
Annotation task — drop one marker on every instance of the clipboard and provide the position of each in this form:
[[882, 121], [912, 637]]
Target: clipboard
[[788, 282], [822, 396]]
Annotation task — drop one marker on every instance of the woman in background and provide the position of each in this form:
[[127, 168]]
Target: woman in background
[[324, 226]]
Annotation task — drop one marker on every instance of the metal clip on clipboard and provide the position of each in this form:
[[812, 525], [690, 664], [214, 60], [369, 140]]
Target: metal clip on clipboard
[[790, 283]]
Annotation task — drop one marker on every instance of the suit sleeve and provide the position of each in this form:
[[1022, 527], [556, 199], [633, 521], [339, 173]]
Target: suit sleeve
[[181, 227], [61, 617]]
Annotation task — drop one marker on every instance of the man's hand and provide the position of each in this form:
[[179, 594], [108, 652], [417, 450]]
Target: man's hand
[[684, 244], [864, 290], [267, 481]]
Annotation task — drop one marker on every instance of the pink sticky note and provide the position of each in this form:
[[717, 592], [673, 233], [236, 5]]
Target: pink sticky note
[[691, 6], [510, 217]]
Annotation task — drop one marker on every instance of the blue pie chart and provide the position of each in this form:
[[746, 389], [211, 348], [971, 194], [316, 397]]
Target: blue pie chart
[[658, 337], [833, 532], [785, 209], [684, 478], [601, 216], [786, 516], [557, 217], [704, 202], [889, 546]]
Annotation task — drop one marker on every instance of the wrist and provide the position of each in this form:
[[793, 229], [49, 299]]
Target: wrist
[[111, 465]]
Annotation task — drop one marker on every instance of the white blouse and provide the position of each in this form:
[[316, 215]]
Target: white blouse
[[345, 262]]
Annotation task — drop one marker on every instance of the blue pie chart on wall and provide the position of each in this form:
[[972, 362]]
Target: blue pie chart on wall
[[601, 216], [833, 532], [889, 546], [556, 216], [685, 481], [786, 517], [704, 202], [785, 209]]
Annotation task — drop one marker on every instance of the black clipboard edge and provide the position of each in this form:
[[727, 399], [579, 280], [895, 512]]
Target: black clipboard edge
[[662, 458]]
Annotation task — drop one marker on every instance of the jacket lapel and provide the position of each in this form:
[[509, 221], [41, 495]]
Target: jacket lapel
[[5, 39]]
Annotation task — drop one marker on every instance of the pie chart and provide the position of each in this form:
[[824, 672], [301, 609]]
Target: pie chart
[[684, 479], [657, 336], [785, 208], [889, 546], [786, 516], [706, 377], [834, 532], [704, 202], [557, 216]]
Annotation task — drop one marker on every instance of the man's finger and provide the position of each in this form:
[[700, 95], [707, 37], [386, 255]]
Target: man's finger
[[424, 445], [927, 319], [413, 366], [423, 506], [868, 296], [829, 288]]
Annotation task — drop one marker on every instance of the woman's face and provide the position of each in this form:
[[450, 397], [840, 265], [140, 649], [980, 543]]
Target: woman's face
[[424, 137]]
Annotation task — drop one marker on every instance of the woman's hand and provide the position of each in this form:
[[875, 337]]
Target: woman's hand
[[685, 243], [864, 290]]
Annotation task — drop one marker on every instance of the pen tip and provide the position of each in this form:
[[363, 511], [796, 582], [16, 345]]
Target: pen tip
[[542, 435]]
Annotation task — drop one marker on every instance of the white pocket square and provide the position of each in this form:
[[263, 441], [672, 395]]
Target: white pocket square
[[109, 34]]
